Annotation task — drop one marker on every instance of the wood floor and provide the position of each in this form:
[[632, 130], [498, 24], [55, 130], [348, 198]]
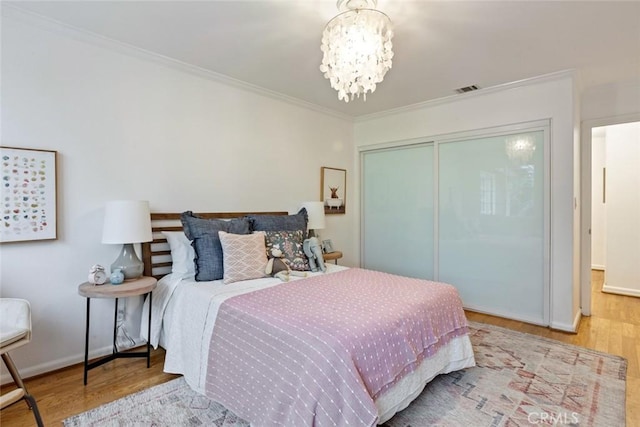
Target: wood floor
[[614, 327]]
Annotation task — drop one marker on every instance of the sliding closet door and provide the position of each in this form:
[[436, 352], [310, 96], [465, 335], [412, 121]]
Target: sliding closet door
[[491, 233], [397, 217]]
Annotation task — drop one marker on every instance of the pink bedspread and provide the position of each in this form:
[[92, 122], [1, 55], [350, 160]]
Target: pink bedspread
[[319, 351]]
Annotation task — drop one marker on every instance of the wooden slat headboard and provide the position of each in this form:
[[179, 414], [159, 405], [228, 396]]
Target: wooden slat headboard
[[156, 255]]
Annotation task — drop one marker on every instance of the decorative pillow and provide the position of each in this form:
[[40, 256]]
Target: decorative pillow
[[280, 222], [290, 244], [244, 256], [182, 253], [206, 242]]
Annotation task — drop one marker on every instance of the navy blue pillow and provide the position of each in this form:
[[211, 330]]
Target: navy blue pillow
[[206, 242], [280, 222]]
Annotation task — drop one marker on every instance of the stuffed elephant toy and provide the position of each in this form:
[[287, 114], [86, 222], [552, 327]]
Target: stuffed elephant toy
[[313, 251]]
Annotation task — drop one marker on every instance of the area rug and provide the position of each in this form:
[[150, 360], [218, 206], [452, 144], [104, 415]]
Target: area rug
[[519, 380]]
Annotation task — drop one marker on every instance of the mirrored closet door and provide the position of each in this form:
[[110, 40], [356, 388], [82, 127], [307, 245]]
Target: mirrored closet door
[[398, 202], [491, 223], [469, 210]]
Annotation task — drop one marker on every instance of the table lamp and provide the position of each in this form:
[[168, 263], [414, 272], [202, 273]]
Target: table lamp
[[127, 222], [315, 214]]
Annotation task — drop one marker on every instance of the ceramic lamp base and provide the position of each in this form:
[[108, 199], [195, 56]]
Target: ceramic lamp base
[[128, 262]]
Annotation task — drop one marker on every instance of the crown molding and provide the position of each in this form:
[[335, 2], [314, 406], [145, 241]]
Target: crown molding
[[48, 24], [476, 93]]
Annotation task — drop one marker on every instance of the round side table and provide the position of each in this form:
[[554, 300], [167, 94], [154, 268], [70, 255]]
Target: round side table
[[332, 256], [141, 286]]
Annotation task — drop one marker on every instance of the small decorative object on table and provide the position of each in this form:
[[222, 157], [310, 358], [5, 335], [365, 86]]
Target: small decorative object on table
[[117, 277], [328, 246], [97, 275]]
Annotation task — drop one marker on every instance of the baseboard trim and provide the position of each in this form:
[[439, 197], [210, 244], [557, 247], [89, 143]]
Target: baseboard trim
[[566, 327], [621, 291], [506, 315], [54, 365], [577, 320], [597, 267]]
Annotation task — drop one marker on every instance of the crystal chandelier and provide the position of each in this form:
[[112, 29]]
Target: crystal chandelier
[[520, 148], [357, 48]]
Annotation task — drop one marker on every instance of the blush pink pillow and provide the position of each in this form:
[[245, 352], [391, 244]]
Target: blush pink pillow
[[243, 256]]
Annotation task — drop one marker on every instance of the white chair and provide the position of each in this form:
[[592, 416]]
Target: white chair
[[15, 331]]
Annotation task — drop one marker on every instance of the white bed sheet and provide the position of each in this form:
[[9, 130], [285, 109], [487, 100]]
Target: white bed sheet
[[183, 317]]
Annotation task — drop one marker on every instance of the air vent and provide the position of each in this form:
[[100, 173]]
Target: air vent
[[467, 89]]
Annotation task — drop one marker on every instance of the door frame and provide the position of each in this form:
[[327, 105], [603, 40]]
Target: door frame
[[585, 195]]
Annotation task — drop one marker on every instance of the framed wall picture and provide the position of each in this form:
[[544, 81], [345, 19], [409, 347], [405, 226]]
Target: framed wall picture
[[333, 190], [327, 245], [28, 195]]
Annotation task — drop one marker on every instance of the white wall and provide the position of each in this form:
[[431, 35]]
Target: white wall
[[598, 213], [552, 97], [622, 274], [130, 128]]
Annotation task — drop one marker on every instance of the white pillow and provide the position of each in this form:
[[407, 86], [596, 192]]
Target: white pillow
[[182, 253], [244, 256]]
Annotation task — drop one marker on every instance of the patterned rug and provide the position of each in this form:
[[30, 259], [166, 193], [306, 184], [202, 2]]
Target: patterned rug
[[519, 380]]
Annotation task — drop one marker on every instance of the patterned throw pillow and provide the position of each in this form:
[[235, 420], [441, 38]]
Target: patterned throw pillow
[[206, 242], [290, 244], [244, 256]]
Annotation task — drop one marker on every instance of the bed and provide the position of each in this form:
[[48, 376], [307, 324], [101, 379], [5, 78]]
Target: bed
[[345, 347]]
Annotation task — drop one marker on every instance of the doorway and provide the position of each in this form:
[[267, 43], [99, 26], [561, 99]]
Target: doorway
[[607, 188]]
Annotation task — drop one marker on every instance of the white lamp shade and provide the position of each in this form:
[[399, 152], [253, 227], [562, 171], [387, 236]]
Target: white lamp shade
[[127, 221], [315, 212]]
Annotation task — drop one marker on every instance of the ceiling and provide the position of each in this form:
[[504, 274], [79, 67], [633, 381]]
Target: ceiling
[[439, 45]]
